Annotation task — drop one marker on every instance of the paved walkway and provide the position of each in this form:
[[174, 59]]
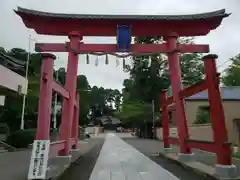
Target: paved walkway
[[14, 165], [151, 147], [120, 161]]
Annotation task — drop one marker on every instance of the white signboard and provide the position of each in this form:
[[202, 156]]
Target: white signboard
[[39, 160]]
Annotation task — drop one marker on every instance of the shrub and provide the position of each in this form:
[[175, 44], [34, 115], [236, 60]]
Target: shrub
[[22, 138], [203, 115]]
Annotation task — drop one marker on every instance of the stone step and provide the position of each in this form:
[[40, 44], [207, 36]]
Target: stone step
[[3, 150]]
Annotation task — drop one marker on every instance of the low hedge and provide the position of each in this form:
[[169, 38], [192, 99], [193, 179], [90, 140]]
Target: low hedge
[[22, 138]]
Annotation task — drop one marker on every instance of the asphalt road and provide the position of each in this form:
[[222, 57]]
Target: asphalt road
[[143, 146], [82, 168]]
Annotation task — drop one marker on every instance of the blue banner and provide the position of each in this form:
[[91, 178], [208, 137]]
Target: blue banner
[[123, 38]]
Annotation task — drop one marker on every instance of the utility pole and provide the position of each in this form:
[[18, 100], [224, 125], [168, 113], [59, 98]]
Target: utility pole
[[26, 76]]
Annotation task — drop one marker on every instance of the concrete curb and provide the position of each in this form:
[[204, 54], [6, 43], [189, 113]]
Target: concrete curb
[[189, 167]]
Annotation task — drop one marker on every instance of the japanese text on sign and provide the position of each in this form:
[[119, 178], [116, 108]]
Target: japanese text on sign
[[39, 160]]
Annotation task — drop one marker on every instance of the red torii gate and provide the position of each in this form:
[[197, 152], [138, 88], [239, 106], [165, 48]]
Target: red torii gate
[[220, 146], [76, 26]]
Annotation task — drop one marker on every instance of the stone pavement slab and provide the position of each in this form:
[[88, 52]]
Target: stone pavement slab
[[149, 149], [204, 157], [120, 161], [204, 162], [14, 165]]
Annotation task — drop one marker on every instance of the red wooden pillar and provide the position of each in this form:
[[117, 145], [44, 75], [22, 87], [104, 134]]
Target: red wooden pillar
[[71, 83], [75, 122], [45, 99], [163, 105], [175, 76], [223, 151]]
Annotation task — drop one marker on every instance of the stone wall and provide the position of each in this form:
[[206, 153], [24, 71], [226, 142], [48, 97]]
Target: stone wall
[[198, 132], [94, 130]]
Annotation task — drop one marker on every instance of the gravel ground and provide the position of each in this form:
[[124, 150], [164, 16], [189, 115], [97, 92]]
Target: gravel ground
[[142, 145], [82, 168]]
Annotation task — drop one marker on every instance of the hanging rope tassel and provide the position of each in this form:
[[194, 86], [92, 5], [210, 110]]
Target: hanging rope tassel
[[106, 60], [96, 61], [87, 59]]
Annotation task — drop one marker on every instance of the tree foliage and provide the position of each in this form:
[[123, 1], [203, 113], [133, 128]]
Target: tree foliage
[[10, 114], [231, 75], [149, 78]]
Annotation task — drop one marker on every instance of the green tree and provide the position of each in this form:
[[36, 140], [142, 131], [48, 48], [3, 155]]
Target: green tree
[[2, 50], [135, 112], [148, 79], [192, 68], [231, 75], [82, 88], [112, 98], [11, 112]]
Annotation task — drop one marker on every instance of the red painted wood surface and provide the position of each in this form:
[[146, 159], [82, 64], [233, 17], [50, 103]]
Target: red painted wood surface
[[108, 27], [216, 111], [175, 77], [193, 89], [173, 140], [163, 98], [45, 99], [112, 48], [71, 84], [60, 89], [75, 127]]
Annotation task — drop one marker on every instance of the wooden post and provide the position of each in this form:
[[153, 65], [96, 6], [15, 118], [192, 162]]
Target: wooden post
[[75, 122], [163, 105], [45, 99], [175, 76], [216, 111], [71, 83]]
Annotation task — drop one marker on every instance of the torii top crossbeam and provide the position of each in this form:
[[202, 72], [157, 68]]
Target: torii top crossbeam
[[105, 25]]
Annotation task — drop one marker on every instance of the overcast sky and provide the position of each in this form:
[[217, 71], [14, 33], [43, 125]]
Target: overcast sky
[[225, 41]]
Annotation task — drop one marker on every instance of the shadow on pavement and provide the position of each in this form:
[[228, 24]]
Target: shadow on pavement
[[82, 168]]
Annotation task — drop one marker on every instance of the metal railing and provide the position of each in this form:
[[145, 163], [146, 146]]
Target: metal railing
[[7, 146]]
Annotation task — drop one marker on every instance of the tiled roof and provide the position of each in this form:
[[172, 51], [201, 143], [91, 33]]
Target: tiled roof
[[227, 93], [12, 63], [12, 60], [219, 13]]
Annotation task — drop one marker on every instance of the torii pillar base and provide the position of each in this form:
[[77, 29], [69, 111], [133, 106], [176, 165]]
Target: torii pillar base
[[226, 171]]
